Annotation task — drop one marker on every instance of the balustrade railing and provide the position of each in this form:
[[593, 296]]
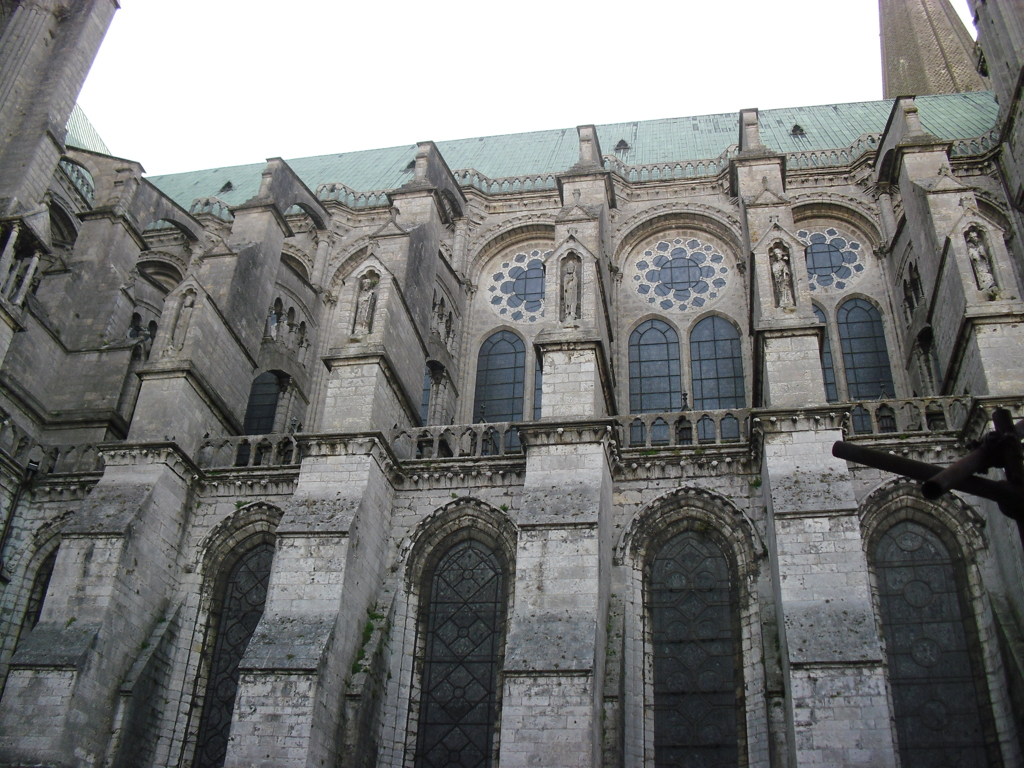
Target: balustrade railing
[[979, 145], [81, 179], [456, 441], [264, 451], [923, 414], [352, 198], [685, 429]]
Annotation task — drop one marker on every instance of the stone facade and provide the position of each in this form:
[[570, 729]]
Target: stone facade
[[529, 469]]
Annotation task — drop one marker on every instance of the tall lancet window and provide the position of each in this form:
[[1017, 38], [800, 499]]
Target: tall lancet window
[[828, 371], [717, 362], [654, 381], [694, 627], [500, 377], [241, 606], [938, 691], [865, 355], [463, 633]]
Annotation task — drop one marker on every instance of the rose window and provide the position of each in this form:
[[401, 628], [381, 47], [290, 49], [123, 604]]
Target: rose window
[[517, 288], [833, 258], [680, 274]]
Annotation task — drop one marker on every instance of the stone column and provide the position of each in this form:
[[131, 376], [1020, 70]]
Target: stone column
[[553, 691], [111, 584], [836, 698], [332, 546]]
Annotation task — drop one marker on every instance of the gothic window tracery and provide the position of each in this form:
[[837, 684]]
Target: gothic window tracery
[[834, 258], [500, 378], [654, 376], [939, 698], [462, 629], [241, 607], [262, 406], [682, 273], [865, 356], [828, 371], [716, 363], [696, 680], [516, 290]]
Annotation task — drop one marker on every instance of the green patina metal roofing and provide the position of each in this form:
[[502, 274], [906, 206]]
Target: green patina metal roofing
[[82, 134], [834, 126]]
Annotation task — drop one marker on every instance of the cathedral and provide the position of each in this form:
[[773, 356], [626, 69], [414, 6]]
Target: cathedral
[[515, 451]]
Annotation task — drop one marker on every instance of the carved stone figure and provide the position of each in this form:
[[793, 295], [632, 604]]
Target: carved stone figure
[[782, 276], [179, 330], [979, 260], [571, 290], [365, 305]]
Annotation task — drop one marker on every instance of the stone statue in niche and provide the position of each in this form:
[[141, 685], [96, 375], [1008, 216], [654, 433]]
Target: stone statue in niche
[[571, 289], [980, 262], [366, 302], [782, 276], [179, 328]]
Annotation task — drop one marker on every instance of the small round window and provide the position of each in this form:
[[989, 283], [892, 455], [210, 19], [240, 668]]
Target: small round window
[[680, 273], [516, 291], [833, 258]]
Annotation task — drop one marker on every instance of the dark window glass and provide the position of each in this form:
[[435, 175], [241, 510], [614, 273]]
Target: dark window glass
[[425, 399], [500, 371], [934, 690], [245, 594], [824, 258], [538, 390], [730, 428], [706, 432], [828, 370], [259, 414], [684, 432], [886, 417], [696, 678], [865, 356], [654, 382], [40, 584], [862, 421], [659, 432], [637, 433], [717, 365], [459, 700]]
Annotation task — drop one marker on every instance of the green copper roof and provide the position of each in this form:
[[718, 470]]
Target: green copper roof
[[82, 134], [835, 126]]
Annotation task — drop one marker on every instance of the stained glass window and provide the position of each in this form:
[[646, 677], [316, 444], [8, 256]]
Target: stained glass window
[[425, 398], [538, 390], [696, 677], [654, 382], [828, 370], [262, 407], [936, 689], [865, 356], [459, 699], [717, 364], [500, 372], [245, 593]]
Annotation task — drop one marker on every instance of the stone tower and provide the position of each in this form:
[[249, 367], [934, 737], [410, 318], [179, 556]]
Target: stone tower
[[925, 49]]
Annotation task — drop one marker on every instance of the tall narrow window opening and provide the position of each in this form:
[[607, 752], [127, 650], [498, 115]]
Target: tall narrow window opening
[[538, 390], [865, 356], [697, 682], [654, 381], [241, 606], [717, 363], [500, 375], [37, 595], [939, 697], [828, 371], [262, 407], [463, 625]]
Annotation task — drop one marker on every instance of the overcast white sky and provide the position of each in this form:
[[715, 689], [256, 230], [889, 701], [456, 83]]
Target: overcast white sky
[[189, 84]]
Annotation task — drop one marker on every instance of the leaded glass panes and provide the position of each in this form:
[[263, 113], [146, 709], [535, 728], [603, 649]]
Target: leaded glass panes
[[425, 397], [538, 390], [500, 372], [935, 696], [262, 407], [654, 382], [828, 370], [245, 594], [717, 365], [696, 678], [865, 356], [459, 700]]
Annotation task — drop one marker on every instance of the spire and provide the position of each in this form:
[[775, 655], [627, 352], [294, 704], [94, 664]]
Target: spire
[[925, 49]]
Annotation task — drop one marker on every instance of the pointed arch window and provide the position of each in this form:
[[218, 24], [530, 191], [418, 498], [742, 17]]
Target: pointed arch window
[[865, 356], [241, 602], [940, 699], [654, 380], [500, 376], [828, 371], [37, 595], [463, 645], [716, 360], [697, 680], [262, 406]]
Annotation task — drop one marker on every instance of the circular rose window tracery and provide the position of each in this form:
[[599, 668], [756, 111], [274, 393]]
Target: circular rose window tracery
[[516, 290], [834, 258], [681, 273]]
